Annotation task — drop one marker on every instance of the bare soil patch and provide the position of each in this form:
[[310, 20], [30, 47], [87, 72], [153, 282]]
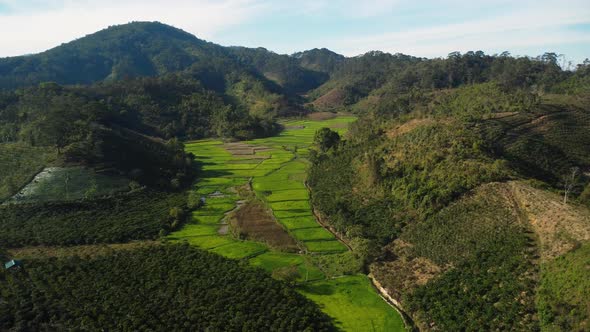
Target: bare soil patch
[[318, 116], [331, 99], [254, 221], [560, 227], [404, 273]]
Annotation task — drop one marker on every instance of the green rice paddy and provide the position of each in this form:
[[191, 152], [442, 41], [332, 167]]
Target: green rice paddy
[[276, 169]]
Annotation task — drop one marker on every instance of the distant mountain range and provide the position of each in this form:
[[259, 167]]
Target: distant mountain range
[[152, 48]]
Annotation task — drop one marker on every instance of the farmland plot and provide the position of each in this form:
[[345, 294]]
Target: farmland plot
[[274, 170]]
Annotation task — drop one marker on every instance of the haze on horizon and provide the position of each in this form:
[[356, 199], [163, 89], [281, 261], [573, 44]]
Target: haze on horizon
[[429, 29]]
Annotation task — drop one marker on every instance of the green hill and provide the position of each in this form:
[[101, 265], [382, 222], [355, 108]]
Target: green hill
[[462, 200], [130, 50], [322, 60]]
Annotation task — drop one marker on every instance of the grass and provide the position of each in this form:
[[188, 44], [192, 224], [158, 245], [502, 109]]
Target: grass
[[273, 260], [354, 303], [562, 299], [240, 249], [310, 234], [299, 222], [278, 181], [325, 246]]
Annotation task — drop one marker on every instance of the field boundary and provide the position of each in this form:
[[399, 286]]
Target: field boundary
[[408, 322], [319, 220]]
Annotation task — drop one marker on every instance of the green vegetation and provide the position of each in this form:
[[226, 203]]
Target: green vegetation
[[395, 83], [354, 303], [19, 164], [137, 215], [421, 187], [415, 181], [273, 170], [489, 252], [564, 291], [85, 129], [127, 291], [71, 183]]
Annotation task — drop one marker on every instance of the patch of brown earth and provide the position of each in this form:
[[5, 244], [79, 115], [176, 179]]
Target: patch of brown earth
[[318, 116], [408, 126], [405, 272], [331, 99], [560, 227], [239, 149], [254, 221]]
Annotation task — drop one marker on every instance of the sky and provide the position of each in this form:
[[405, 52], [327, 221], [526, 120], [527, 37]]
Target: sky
[[427, 28]]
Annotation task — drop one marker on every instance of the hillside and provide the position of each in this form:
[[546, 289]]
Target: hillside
[[284, 70], [322, 60], [257, 79], [382, 81], [147, 49], [135, 49], [462, 200]]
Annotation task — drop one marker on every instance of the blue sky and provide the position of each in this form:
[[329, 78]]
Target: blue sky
[[422, 28]]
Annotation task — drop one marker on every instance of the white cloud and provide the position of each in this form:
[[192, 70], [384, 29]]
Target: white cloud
[[437, 27], [30, 31], [541, 26]]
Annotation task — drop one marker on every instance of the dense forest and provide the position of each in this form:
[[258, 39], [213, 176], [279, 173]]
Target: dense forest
[[137, 215], [165, 287]]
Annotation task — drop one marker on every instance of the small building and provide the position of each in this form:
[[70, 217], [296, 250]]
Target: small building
[[12, 264]]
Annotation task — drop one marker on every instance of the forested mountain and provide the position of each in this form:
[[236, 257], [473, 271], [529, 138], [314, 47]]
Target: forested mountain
[[322, 60], [130, 50], [281, 69], [375, 78]]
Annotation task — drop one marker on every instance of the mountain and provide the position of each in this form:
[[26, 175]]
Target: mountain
[[284, 70], [152, 49], [321, 60], [135, 49], [375, 79]]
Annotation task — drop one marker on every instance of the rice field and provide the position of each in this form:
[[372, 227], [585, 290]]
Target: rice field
[[275, 168], [354, 304]]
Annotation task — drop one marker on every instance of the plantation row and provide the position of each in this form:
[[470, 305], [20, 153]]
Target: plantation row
[[145, 214], [165, 287]]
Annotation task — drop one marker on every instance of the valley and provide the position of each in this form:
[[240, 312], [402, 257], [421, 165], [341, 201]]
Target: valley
[[273, 171], [154, 181]]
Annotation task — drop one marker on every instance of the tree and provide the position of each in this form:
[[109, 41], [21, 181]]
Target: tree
[[570, 182], [325, 139]]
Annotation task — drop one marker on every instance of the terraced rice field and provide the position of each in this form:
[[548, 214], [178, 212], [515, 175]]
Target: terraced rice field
[[276, 167]]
